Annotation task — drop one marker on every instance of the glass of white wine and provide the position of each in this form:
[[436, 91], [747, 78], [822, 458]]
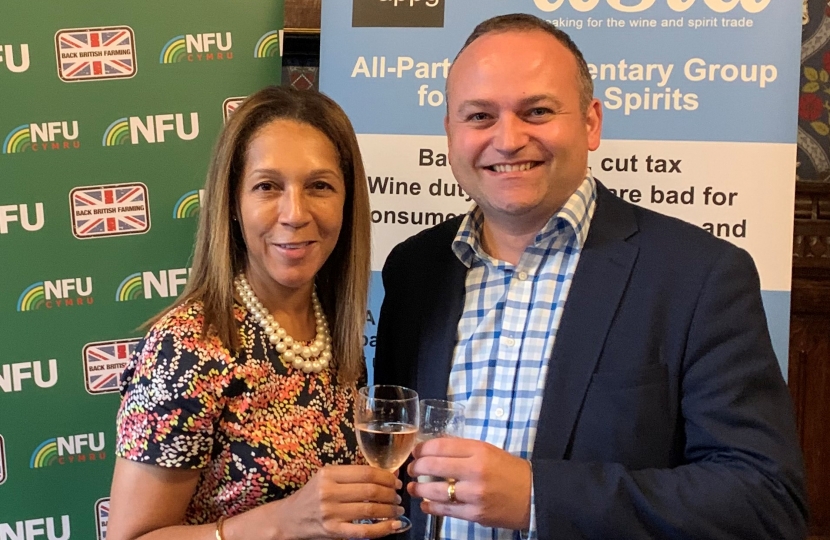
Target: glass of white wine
[[386, 420], [439, 418]]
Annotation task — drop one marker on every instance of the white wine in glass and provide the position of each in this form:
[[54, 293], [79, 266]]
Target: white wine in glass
[[386, 420], [386, 445]]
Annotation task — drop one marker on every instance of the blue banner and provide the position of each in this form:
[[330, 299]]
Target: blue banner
[[699, 99]]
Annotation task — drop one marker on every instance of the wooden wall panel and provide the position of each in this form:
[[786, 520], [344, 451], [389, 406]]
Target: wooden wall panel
[[809, 371], [304, 14]]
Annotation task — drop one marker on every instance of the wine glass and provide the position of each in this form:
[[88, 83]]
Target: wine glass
[[439, 418], [386, 422]]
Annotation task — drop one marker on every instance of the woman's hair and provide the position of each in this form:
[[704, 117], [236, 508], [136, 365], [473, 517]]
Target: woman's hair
[[220, 252]]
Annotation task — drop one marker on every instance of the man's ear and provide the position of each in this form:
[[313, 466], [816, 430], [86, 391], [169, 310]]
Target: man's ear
[[593, 124], [447, 131]]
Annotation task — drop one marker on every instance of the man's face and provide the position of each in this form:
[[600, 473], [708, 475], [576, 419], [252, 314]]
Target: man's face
[[518, 138]]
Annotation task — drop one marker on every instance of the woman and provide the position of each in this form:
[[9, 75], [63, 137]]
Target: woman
[[237, 418]]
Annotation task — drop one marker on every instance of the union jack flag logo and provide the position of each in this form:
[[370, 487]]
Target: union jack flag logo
[[102, 516], [91, 54], [230, 105], [113, 210], [2, 460], [103, 363]]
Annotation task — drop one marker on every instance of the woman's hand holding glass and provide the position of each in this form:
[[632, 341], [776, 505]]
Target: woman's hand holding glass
[[386, 422], [334, 503]]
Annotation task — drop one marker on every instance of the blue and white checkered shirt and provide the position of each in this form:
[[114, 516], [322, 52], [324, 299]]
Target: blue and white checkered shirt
[[506, 334]]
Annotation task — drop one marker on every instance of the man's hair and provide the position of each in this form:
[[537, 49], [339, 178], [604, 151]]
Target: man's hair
[[521, 22]]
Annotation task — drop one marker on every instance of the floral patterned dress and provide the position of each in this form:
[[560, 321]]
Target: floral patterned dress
[[258, 429]]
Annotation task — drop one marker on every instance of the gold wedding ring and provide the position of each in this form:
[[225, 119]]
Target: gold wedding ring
[[451, 491]]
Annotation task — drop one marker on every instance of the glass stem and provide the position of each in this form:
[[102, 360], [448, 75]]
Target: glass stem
[[432, 531]]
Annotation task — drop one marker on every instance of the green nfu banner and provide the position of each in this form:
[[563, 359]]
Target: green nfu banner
[[108, 114]]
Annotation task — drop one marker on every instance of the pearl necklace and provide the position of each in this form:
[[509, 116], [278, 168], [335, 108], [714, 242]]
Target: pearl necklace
[[315, 357]]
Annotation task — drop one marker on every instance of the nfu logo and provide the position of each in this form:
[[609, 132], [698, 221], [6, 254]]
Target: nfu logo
[[149, 285], [32, 529], [11, 213], [197, 47], [13, 375], [43, 136], [70, 449], [718, 6], [7, 57], [58, 293], [269, 44], [398, 13], [189, 204], [152, 129]]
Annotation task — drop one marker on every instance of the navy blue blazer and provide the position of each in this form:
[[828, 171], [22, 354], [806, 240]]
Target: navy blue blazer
[[664, 413]]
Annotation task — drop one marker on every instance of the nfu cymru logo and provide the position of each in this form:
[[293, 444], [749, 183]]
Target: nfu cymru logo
[[142, 284], [70, 449], [189, 204], [270, 44], [152, 129], [56, 294], [7, 57], [197, 48], [42, 137]]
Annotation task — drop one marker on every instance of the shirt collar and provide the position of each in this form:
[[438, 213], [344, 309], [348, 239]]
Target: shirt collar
[[575, 214]]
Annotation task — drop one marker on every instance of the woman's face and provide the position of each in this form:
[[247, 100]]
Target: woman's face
[[291, 198]]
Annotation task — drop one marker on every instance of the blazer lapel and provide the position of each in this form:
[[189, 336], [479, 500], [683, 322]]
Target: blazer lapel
[[600, 279], [439, 323]]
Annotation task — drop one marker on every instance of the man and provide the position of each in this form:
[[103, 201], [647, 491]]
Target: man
[[615, 363]]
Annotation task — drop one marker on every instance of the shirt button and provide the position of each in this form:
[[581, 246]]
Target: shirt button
[[499, 412], [523, 275], [509, 342]]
